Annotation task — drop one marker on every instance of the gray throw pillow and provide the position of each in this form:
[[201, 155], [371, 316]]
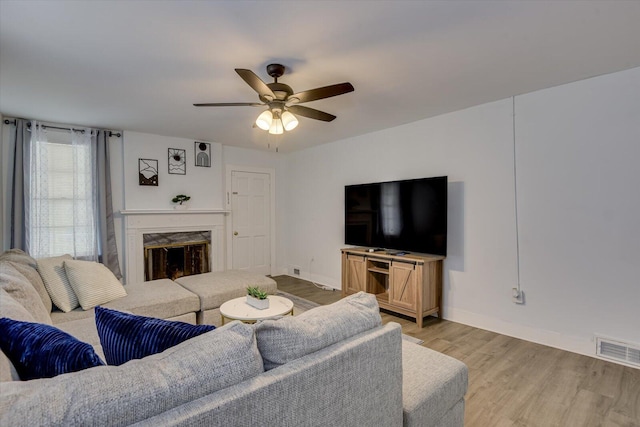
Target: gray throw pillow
[[288, 338], [26, 265], [12, 309], [19, 256], [20, 289], [56, 282], [34, 278]]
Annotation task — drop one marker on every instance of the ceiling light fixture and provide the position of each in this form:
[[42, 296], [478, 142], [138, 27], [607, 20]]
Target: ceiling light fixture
[[289, 121], [275, 122], [276, 125], [264, 120]]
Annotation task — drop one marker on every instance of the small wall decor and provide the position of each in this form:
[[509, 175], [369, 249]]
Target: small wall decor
[[148, 172], [180, 201], [177, 161], [203, 154]]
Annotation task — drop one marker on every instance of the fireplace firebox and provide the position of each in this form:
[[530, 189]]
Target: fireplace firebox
[[173, 255]]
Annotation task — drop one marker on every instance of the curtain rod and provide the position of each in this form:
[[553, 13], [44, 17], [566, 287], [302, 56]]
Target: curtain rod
[[13, 122]]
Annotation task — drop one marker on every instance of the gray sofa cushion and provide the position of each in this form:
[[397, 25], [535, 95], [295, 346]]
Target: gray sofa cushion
[[27, 266], [218, 287], [432, 384], [20, 289], [158, 298], [84, 330], [12, 309], [18, 256], [139, 389], [288, 338]]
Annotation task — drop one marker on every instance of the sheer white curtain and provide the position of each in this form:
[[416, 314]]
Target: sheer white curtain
[[37, 204], [62, 196], [84, 230]]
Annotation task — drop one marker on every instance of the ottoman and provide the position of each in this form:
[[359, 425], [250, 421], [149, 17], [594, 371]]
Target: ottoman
[[218, 287]]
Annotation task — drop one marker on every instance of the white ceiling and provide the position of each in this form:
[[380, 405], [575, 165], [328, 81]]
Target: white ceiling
[[140, 65]]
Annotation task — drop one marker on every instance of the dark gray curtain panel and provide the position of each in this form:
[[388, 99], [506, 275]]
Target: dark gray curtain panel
[[107, 248], [19, 185]]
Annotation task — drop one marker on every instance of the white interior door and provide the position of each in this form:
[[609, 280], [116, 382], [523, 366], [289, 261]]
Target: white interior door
[[250, 218]]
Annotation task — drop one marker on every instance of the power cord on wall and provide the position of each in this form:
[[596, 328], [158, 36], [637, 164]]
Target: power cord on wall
[[517, 293], [318, 285], [323, 287]]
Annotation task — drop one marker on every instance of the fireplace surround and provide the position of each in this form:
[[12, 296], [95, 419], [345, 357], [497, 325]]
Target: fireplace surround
[[139, 223]]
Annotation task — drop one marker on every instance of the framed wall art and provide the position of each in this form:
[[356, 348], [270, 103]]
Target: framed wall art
[[177, 161], [203, 154], [148, 172]]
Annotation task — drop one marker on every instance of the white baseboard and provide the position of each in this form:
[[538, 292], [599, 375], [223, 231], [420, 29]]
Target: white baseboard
[[540, 336], [325, 281], [315, 278]]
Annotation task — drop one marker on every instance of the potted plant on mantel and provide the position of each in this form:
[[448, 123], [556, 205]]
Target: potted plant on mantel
[[257, 298], [180, 200]]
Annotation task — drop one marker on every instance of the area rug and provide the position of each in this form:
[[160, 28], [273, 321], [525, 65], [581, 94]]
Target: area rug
[[412, 339], [301, 305]]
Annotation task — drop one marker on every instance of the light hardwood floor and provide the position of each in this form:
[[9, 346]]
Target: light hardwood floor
[[518, 383]]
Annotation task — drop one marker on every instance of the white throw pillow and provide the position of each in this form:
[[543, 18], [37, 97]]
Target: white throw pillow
[[55, 280], [93, 283]]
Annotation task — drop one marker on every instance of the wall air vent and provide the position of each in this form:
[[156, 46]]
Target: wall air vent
[[619, 351]]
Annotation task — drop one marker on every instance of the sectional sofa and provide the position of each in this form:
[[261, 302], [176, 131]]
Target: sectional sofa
[[333, 365]]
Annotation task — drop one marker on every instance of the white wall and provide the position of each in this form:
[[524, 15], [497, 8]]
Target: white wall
[[579, 203], [577, 147], [204, 185]]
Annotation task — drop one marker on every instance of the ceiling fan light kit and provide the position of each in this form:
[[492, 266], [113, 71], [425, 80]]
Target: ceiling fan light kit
[[289, 121], [264, 120], [276, 127], [282, 102]]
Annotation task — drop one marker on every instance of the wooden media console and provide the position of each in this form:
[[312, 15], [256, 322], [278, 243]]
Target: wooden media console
[[408, 284]]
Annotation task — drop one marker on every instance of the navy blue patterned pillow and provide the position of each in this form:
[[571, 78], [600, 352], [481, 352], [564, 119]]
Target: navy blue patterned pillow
[[42, 351], [127, 336]]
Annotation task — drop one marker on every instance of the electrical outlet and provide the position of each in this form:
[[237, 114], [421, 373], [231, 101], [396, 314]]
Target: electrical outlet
[[517, 296]]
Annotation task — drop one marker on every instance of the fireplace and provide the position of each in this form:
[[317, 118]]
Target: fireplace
[[173, 255], [170, 243]]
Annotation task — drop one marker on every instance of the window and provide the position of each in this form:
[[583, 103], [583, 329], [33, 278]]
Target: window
[[62, 198]]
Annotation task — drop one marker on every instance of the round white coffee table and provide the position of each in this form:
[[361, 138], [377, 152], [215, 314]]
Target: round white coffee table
[[238, 309]]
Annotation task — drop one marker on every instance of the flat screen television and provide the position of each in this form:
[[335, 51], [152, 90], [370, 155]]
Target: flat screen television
[[409, 215]]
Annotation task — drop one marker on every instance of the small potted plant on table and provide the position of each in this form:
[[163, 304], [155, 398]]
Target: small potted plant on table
[[180, 200], [257, 298]]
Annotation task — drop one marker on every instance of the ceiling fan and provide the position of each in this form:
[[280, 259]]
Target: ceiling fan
[[281, 101]]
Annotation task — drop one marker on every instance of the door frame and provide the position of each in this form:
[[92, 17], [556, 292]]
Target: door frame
[[272, 212]]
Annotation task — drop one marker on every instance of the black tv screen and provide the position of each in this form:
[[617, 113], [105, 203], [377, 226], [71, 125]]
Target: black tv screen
[[409, 215]]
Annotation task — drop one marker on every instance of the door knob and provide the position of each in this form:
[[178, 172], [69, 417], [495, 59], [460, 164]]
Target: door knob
[[235, 233]]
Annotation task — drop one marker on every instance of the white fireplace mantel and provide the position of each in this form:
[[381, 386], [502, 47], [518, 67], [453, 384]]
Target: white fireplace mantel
[[143, 221], [172, 211]]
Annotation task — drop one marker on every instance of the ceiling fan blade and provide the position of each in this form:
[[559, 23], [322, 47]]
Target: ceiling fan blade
[[229, 104], [321, 93], [311, 113], [256, 83]]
